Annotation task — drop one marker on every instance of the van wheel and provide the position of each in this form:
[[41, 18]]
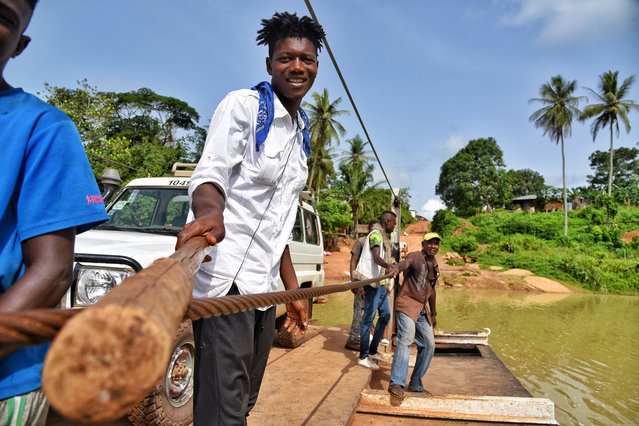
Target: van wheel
[[283, 337], [171, 401]]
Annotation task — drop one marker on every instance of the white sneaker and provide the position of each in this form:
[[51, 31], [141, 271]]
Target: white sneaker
[[378, 357], [368, 364]]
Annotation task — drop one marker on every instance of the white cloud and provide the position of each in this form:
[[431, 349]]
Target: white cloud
[[567, 21], [454, 143], [428, 210]]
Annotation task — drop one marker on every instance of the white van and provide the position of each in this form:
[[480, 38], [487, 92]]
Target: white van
[[144, 220]]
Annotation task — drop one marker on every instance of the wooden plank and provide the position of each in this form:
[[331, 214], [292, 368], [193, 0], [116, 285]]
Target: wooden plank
[[461, 407]]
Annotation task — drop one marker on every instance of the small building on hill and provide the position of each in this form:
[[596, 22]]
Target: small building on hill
[[525, 203]]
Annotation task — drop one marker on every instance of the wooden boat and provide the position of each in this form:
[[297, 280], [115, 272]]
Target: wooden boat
[[463, 337], [468, 383]]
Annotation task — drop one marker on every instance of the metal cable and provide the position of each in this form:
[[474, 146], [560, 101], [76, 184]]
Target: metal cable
[[41, 325]]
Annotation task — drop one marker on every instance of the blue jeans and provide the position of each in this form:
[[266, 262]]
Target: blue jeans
[[374, 300], [407, 332]]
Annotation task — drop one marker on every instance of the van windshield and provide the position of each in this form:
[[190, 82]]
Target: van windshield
[[155, 210]]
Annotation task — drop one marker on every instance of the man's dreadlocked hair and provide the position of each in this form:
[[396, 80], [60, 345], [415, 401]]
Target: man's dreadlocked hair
[[285, 25]]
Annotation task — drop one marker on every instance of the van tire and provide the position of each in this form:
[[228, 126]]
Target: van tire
[[157, 408]]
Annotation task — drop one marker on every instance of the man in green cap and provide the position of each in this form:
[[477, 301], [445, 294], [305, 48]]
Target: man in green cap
[[415, 321]]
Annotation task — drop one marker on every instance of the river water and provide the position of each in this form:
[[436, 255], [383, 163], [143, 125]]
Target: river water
[[581, 351]]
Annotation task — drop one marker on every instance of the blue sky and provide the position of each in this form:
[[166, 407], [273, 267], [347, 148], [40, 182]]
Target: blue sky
[[427, 76]]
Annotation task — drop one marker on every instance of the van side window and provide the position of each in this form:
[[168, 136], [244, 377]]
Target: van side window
[[298, 234], [310, 226]]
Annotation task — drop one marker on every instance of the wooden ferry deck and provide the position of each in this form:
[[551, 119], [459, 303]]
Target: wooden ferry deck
[[320, 383]]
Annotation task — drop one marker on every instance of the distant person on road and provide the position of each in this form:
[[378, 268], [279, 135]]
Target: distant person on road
[[358, 302], [48, 194], [415, 320], [375, 257], [244, 196]]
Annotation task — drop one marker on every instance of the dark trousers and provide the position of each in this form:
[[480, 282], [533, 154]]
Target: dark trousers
[[231, 352]]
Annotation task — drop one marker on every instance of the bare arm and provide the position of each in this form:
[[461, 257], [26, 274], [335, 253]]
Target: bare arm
[[353, 265], [392, 268], [297, 310], [432, 304], [48, 262], [208, 206], [378, 259]]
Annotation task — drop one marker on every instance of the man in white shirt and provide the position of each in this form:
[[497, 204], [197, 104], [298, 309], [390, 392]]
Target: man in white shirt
[[244, 194]]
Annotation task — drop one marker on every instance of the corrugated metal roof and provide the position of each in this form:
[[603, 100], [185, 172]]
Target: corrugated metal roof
[[526, 198]]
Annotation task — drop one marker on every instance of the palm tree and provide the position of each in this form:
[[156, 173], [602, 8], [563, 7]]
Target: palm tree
[[555, 118], [325, 167], [324, 129], [357, 155], [355, 184], [613, 107]]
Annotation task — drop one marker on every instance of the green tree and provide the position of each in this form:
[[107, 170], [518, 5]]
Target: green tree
[[625, 166], [335, 216], [354, 186], [627, 195], [374, 201], [526, 182], [473, 178], [559, 109], [145, 116], [324, 129], [115, 137], [613, 107], [356, 154], [445, 223], [92, 112], [325, 169]]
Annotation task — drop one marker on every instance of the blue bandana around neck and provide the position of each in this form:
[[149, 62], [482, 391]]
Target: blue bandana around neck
[[265, 118]]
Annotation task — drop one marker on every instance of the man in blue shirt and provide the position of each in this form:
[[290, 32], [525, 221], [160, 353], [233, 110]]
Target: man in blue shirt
[[48, 194]]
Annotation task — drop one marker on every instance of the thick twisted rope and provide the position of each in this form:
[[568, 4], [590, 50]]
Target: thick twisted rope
[[41, 325], [217, 306]]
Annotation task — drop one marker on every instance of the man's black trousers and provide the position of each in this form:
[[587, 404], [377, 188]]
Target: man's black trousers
[[231, 352]]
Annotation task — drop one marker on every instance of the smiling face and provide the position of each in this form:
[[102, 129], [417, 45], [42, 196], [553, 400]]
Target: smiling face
[[292, 67], [430, 247], [14, 18]]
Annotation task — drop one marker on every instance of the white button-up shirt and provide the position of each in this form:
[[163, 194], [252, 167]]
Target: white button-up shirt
[[261, 190]]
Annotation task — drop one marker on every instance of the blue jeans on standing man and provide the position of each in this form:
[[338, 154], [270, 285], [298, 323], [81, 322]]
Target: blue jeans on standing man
[[407, 332], [375, 300]]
